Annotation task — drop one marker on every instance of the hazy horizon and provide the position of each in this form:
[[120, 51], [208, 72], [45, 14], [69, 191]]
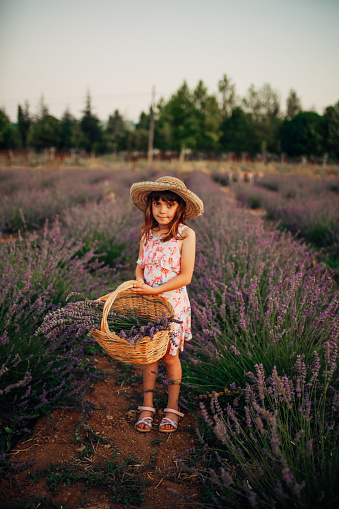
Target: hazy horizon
[[118, 51]]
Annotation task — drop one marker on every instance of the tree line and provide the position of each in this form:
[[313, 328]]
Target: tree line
[[193, 120]]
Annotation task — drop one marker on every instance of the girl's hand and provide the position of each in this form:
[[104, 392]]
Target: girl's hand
[[140, 288]]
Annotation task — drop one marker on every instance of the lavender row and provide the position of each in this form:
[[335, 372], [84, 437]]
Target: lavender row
[[303, 205], [261, 305], [254, 291], [78, 253], [29, 196], [37, 273]]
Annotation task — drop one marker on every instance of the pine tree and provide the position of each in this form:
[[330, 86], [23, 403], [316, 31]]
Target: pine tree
[[24, 122], [293, 104], [92, 140]]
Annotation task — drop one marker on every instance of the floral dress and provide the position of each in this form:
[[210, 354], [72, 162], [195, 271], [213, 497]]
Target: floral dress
[[161, 262]]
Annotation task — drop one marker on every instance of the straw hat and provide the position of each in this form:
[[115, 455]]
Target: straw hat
[[140, 191]]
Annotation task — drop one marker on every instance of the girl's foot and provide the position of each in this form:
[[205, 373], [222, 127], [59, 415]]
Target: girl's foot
[[170, 422], [168, 426], [145, 421]]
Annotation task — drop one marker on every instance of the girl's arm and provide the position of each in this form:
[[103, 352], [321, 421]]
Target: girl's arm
[[185, 276]]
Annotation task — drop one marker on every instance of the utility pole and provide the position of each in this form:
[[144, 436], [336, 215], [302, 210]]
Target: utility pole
[[151, 129]]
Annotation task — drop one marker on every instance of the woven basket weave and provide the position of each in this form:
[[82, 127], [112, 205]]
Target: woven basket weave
[[147, 350]]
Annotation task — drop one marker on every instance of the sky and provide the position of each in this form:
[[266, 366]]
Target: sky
[[119, 50]]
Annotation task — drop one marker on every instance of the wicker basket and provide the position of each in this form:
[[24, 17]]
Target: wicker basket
[[147, 350]]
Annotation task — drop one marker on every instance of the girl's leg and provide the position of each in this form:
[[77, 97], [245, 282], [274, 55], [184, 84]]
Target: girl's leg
[[149, 379], [174, 373]]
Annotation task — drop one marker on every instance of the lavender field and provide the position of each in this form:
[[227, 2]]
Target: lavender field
[[263, 360]]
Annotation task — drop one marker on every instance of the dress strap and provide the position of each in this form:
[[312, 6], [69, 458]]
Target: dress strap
[[181, 227]]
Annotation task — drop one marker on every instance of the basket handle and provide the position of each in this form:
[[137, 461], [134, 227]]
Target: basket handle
[[109, 303]]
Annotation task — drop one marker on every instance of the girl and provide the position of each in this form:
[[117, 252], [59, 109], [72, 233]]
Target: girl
[[165, 266]]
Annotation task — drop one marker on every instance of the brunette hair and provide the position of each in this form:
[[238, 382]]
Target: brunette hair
[[150, 223]]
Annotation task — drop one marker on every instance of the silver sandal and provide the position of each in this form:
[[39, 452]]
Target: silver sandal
[[146, 420], [167, 420]]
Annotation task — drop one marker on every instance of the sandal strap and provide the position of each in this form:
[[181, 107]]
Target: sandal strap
[[166, 421], [146, 420], [173, 412], [146, 408]]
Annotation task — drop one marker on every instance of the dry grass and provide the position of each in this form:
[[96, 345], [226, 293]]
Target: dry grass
[[112, 162]]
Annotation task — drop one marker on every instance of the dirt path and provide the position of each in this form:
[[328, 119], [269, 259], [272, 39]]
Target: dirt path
[[104, 462]]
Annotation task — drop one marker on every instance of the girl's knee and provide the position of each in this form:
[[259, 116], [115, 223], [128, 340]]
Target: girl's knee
[[170, 360]]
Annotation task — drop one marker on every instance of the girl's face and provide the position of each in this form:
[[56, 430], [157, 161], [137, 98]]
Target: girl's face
[[164, 211]]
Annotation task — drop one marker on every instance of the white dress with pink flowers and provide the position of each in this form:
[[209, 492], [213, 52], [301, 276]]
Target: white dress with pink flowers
[[161, 262]]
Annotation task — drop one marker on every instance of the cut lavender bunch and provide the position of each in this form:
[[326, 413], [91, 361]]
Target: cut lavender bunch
[[85, 316]]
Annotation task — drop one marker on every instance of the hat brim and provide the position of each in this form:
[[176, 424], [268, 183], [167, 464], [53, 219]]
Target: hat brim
[[140, 191]]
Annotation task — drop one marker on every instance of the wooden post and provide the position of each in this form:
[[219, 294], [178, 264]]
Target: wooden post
[[151, 130]]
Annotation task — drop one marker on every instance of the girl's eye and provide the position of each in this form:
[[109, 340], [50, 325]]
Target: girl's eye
[[169, 204]]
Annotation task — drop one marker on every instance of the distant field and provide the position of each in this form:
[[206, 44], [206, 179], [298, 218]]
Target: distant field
[[302, 198], [140, 162]]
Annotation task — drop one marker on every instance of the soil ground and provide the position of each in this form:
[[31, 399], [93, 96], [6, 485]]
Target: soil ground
[[110, 434]]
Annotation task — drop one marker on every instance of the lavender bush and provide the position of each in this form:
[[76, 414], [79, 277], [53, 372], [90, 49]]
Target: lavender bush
[[256, 295], [270, 320], [105, 229], [281, 447], [35, 374], [260, 305]]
